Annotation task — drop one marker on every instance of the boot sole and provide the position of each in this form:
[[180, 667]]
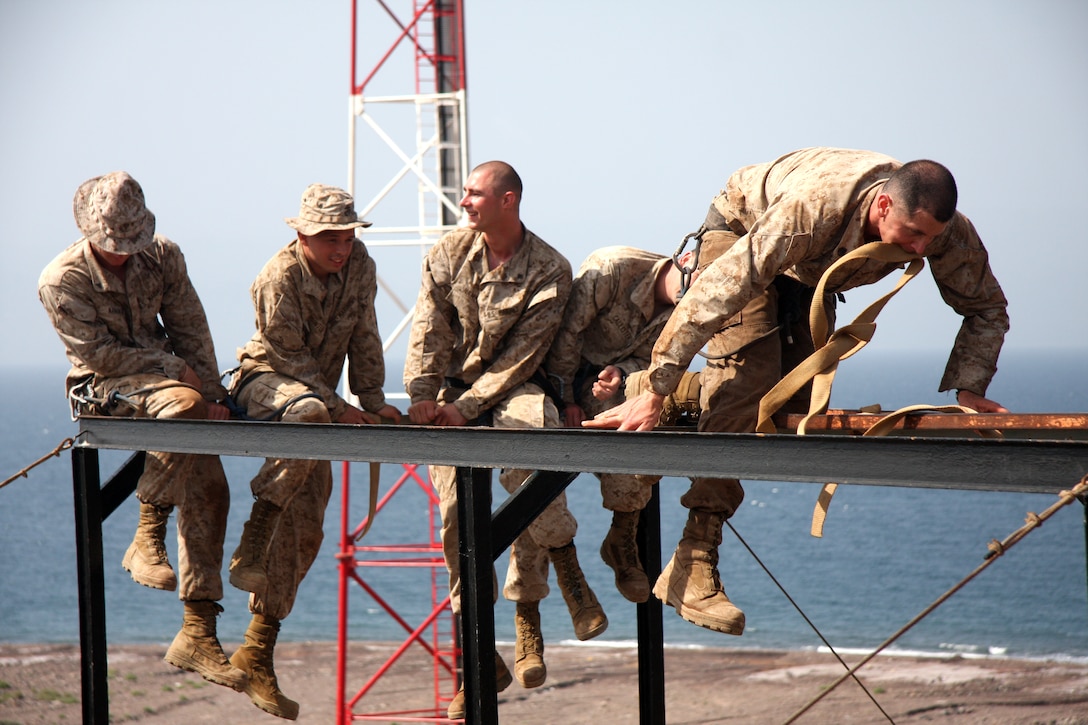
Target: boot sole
[[190, 665], [591, 633], [530, 684], [696, 617], [167, 584], [252, 583]]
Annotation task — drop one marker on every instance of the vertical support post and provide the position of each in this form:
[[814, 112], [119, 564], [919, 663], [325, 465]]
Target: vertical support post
[[345, 566], [86, 484], [477, 591], [651, 652]]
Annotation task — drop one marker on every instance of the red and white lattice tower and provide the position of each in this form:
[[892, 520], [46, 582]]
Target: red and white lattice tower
[[408, 158]]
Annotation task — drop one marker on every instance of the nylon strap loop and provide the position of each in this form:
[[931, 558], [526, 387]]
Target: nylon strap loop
[[821, 365]]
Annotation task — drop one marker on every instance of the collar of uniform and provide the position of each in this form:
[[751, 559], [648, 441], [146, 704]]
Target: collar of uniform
[[644, 294], [515, 269], [311, 285], [101, 279]]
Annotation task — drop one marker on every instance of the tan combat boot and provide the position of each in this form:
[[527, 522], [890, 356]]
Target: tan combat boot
[[690, 582], [620, 551], [585, 611], [249, 563], [146, 556], [254, 658], [503, 678], [196, 647], [529, 665]]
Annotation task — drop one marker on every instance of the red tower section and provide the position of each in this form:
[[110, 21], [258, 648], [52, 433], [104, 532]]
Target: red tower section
[[407, 160]]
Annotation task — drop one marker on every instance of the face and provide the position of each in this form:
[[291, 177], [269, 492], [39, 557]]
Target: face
[[912, 233], [111, 258], [481, 203], [327, 251]]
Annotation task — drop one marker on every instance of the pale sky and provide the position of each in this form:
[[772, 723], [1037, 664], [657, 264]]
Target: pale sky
[[623, 118]]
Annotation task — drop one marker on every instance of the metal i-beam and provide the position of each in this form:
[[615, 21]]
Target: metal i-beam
[[1013, 465]]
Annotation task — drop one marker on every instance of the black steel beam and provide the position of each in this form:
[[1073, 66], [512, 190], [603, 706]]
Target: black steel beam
[[92, 585], [1026, 466]]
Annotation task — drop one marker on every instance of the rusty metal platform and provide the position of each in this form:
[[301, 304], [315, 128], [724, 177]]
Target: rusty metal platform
[[1029, 426]]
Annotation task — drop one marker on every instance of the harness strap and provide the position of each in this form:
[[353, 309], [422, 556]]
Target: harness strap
[[821, 365]]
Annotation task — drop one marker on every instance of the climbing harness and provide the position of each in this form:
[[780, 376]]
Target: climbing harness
[[64, 445], [821, 365], [995, 549]]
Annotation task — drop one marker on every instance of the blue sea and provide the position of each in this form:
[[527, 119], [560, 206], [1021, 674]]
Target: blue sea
[[887, 553]]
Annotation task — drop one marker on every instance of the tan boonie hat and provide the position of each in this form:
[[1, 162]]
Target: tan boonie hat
[[111, 213], [325, 207]]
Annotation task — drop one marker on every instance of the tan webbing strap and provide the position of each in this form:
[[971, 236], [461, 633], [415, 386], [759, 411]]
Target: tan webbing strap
[[375, 475], [821, 365], [883, 427]]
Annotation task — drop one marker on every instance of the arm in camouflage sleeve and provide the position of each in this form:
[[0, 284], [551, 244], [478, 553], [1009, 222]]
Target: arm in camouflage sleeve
[[963, 275], [186, 324], [432, 338], [88, 340], [529, 339], [366, 362], [589, 288], [774, 244], [280, 322]]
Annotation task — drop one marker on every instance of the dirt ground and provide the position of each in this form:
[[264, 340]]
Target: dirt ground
[[40, 684]]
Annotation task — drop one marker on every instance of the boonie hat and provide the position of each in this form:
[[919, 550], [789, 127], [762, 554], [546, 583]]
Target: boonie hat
[[325, 207], [111, 213]]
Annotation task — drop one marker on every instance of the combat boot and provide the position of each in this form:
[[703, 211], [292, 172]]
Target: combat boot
[[249, 563], [196, 647], [254, 658], [146, 557], [503, 678], [690, 582], [529, 665], [586, 612], [620, 551]]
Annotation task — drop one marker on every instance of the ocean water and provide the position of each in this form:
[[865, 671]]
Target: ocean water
[[887, 553]]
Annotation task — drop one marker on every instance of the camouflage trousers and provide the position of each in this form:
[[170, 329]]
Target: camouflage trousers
[[301, 488], [625, 492], [194, 485], [746, 358], [527, 575]]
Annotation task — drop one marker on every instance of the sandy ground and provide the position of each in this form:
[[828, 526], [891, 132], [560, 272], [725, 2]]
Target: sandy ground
[[40, 684]]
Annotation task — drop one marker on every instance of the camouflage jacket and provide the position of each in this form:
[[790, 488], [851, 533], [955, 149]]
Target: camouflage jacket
[[306, 327], [152, 321], [488, 329], [800, 213], [610, 318]]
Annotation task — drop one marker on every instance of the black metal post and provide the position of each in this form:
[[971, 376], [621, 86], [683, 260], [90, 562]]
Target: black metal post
[[523, 506], [92, 585], [651, 636], [477, 591]]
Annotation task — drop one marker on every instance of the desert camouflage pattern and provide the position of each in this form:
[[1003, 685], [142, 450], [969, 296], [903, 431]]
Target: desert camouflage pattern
[[490, 331], [112, 336], [610, 319], [306, 328], [111, 327], [798, 214]]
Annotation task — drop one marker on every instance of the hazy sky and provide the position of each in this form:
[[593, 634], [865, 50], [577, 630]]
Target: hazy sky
[[623, 118]]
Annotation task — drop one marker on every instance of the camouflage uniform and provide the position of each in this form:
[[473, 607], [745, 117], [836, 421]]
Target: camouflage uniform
[[305, 329], [610, 319], [793, 218], [113, 337], [478, 337]]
